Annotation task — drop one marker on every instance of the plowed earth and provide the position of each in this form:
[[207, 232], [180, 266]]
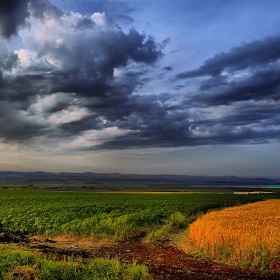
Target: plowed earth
[[164, 259]]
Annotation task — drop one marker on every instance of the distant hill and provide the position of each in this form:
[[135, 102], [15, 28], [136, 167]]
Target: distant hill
[[64, 178]]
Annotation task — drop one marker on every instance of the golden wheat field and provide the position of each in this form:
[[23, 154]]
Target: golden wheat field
[[247, 235]]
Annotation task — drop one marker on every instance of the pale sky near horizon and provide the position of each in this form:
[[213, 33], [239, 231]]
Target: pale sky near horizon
[[176, 87]]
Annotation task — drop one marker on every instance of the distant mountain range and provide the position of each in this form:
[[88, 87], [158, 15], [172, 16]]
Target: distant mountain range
[[14, 177]]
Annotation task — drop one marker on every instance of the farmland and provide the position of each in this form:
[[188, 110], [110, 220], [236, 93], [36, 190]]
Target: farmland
[[133, 220], [247, 235], [46, 212]]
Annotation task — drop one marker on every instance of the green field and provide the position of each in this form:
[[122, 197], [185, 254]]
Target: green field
[[118, 216], [114, 214]]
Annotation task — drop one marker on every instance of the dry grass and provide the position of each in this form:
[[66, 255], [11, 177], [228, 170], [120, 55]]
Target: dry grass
[[85, 240], [71, 240], [247, 235], [24, 272]]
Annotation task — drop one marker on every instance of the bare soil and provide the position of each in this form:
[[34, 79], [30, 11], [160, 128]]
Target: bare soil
[[164, 259]]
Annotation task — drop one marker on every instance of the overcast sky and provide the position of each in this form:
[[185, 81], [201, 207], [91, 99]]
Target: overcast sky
[[151, 86]]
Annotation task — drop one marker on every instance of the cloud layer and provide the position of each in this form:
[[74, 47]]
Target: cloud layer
[[77, 81]]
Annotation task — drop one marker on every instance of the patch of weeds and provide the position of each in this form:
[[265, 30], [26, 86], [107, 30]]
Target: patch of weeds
[[137, 272], [208, 257], [18, 264], [176, 222]]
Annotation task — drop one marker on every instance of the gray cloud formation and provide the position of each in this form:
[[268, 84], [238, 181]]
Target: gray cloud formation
[[253, 54], [258, 86], [251, 72], [79, 61], [244, 106], [77, 75], [13, 13]]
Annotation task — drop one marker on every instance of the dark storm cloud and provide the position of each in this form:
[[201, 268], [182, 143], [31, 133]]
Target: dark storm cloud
[[14, 127], [13, 13], [21, 88], [168, 68], [152, 122], [259, 81], [214, 82], [149, 116], [84, 23], [87, 70], [117, 110], [248, 124], [133, 140], [84, 124], [256, 114], [262, 85], [253, 54], [142, 50], [21, 130], [88, 78], [88, 67], [87, 60]]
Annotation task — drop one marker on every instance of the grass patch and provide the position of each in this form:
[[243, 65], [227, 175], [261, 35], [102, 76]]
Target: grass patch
[[176, 222], [16, 263]]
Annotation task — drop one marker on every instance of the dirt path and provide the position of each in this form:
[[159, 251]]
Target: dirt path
[[166, 261], [163, 259]]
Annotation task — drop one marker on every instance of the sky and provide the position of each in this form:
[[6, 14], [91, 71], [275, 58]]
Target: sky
[[153, 87]]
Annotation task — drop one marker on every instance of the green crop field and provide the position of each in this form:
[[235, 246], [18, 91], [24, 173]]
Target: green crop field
[[118, 215]]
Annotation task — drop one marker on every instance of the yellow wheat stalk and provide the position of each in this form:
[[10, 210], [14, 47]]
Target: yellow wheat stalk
[[245, 234]]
